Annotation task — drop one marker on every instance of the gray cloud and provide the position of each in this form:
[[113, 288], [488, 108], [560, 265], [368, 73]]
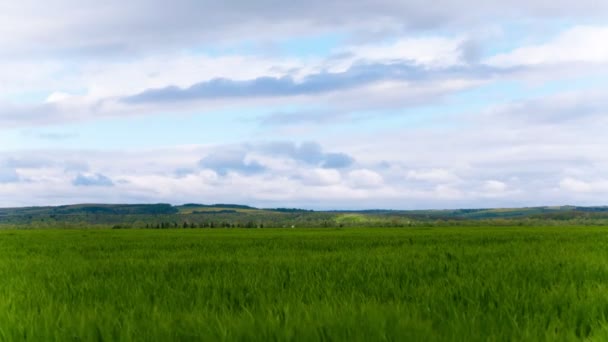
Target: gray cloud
[[24, 115], [554, 109], [114, 27], [92, 180], [11, 115], [183, 172], [35, 161], [281, 86], [471, 51], [8, 175], [235, 158], [226, 160], [28, 162], [337, 161], [307, 152], [320, 83]]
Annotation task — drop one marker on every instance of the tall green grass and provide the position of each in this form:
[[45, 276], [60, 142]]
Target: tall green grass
[[441, 284]]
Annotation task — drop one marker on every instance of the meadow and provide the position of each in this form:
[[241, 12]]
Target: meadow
[[352, 284]]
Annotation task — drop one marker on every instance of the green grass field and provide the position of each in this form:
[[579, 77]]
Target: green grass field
[[443, 284]]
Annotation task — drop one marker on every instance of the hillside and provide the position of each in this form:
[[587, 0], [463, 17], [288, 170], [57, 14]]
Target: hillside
[[236, 215]]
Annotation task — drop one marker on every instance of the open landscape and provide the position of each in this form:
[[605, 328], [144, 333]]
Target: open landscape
[[433, 284], [321, 170]]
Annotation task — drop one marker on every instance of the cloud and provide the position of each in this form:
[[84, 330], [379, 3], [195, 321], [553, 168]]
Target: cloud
[[113, 28], [58, 97], [369, 85], [228, 160], [449, 192], [432, 175], [581, 44], [251, 158], [302, 117], [11, 115], [50, 136], [337, 161], [27, 162], [319, 83], [494, 186], [369, 102], [320, 177], [8, 175], [581, 186], [429, 52], [402, 69], [553, 110], [364, 178], [96, 179], [77, 109], [57, 136], [307, 152]]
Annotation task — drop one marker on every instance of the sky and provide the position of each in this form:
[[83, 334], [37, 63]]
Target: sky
[[358, 104]]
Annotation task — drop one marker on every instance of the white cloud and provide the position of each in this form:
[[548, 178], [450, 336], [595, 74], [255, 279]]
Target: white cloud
[[444, 191], [582, 44], [321, 177], [429, 51], [433, 175], [494, 186], [581, 186], [58, 97], [364, 178]]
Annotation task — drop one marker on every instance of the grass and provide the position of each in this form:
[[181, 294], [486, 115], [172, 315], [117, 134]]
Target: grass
[[440, 284]]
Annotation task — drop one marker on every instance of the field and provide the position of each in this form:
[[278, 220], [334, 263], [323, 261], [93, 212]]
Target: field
[[439, 284]]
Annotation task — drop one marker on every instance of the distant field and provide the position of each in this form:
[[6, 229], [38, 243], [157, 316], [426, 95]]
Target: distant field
[[440, 284]]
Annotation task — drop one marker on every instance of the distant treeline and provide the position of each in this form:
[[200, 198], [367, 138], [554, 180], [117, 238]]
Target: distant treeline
[[89, 209], [163, 216]]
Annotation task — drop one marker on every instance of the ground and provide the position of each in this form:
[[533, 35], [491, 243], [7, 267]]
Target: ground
[[444, 284]]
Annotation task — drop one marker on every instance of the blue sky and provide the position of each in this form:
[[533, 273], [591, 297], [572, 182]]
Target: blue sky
[[322, 105]]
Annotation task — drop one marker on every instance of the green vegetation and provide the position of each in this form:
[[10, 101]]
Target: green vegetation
[[242, 216], [428, 284]]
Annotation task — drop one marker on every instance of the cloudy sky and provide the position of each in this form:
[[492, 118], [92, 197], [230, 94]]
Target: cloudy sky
[[318, 104]]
